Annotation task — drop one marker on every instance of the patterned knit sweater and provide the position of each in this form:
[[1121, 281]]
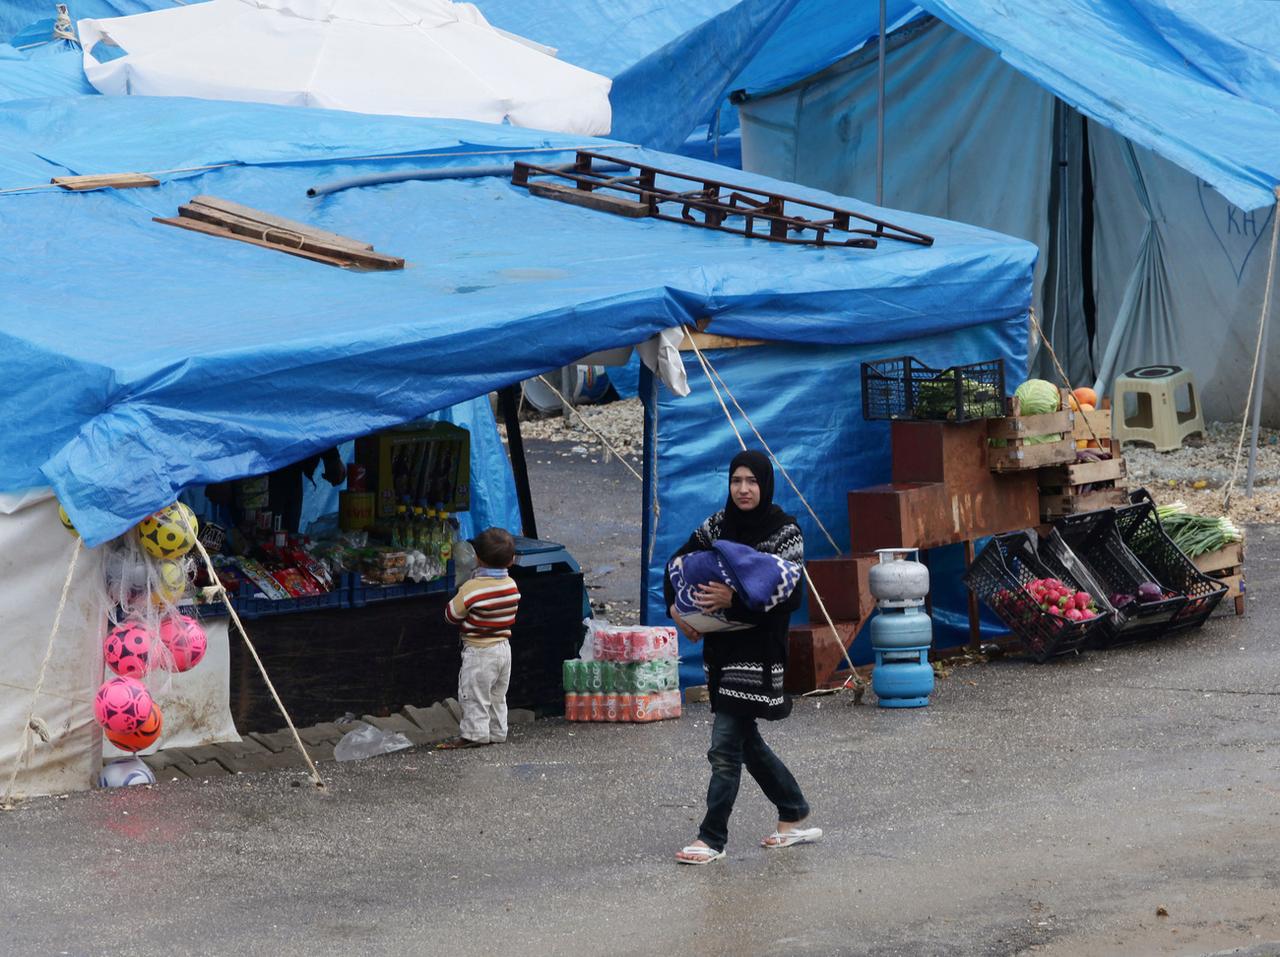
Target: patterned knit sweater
[[745, 669]]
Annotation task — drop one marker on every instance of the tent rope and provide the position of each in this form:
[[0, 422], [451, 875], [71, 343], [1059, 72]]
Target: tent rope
[[785, 474], [231, 610], [1257, 350], [858, 682], [351, 159], [7, 803], [581, 418], [1044, 340]]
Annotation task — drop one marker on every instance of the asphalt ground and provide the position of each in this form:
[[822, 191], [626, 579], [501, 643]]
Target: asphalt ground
[[593, 507], [1112, 803]]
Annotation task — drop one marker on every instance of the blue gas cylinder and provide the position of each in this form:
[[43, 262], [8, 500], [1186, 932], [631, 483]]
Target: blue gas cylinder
[[903, 679], [901, 628], [901, 632]]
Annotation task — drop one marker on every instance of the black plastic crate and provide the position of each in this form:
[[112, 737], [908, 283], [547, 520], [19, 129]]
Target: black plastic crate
[[363, 593], [906, 388], [1095, 538], [1000, 576], [1143, 533]]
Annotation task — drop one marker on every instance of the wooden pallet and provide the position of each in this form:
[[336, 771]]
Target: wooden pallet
[[1063, 489], [1017, 454], [1226, 565]]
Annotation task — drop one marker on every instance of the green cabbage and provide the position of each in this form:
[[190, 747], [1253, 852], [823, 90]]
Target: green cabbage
[[1038, 397]]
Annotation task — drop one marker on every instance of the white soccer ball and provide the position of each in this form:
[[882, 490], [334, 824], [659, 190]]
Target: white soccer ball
[[123, 772]]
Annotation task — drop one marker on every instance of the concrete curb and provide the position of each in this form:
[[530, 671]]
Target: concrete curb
[[276, 750]]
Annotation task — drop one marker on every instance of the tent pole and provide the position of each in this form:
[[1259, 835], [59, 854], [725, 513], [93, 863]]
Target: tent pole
[[508, 399], [1263, 334], [1256, 378], [1257, 415], [880, 116]]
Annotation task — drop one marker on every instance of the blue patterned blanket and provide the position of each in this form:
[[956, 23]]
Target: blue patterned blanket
[[763, 581]]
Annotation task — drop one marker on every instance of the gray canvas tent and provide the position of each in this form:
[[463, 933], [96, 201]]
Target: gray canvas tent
[[1136, 143]]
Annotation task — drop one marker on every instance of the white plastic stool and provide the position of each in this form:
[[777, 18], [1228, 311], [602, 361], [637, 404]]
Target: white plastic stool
[[1156, 418]]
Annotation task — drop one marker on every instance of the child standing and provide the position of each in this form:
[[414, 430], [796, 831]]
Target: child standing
[[485, 608]]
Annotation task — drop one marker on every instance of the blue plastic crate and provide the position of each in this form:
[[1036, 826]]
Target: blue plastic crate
[[363, 593], [249, 604]]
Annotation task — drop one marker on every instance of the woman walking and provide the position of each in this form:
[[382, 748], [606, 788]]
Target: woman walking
[[745, 667]]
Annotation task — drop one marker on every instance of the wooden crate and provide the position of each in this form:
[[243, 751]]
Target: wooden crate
[[1016, 429], [1226, 565], [1097, 423], [1063, 489]]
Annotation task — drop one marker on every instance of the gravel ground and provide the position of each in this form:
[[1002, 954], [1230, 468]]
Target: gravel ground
[[621, 423], [1198, 474]]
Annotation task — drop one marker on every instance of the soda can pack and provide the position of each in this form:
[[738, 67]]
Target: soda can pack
[[622, 706], [632, 643], [633, 677]]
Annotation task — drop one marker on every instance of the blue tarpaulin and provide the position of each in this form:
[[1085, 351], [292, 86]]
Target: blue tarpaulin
[[140, 359], [674, 62], [25, 77], [17, 15], [1197, 83], [671, 63]]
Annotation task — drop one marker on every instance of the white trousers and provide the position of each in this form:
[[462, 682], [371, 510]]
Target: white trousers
[[482, 692]]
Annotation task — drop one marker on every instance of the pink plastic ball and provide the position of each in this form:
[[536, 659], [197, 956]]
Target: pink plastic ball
[[127, 649], [186, 641], [122, 705]]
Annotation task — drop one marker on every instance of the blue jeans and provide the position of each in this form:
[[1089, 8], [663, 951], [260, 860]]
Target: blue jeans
[[736, 741]]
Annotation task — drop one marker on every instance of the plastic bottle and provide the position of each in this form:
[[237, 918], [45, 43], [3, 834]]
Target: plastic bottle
[[419, 529], [430, 545], [398, 527], [446, 537]]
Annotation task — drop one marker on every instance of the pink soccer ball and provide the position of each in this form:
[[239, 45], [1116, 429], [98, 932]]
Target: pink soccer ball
[[185, 640], [127, 649], [122, 705]]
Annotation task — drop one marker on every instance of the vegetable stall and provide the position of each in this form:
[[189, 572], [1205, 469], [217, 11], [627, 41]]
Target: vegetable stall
[[1035, 489]]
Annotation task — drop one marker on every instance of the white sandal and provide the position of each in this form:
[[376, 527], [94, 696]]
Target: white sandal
[[797, 835], [706, 855]]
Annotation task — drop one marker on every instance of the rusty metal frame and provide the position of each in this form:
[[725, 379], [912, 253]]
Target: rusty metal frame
[[711, 204]]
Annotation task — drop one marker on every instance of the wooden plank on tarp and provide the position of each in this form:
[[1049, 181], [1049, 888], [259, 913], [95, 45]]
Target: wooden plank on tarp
[[105, 181], [604, 202], [209, 230], [287, 239], [259, 216]]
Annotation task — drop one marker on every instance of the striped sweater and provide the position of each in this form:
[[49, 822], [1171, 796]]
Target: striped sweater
[[485, 607]]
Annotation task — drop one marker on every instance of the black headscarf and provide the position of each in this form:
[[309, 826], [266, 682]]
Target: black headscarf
[[752, 527]]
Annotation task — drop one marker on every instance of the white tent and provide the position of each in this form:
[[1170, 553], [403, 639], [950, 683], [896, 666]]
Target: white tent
[[405, 57]]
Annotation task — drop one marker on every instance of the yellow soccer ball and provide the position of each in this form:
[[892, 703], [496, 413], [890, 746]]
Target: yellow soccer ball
[[169, 533], [170, 582], [66, 520]]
